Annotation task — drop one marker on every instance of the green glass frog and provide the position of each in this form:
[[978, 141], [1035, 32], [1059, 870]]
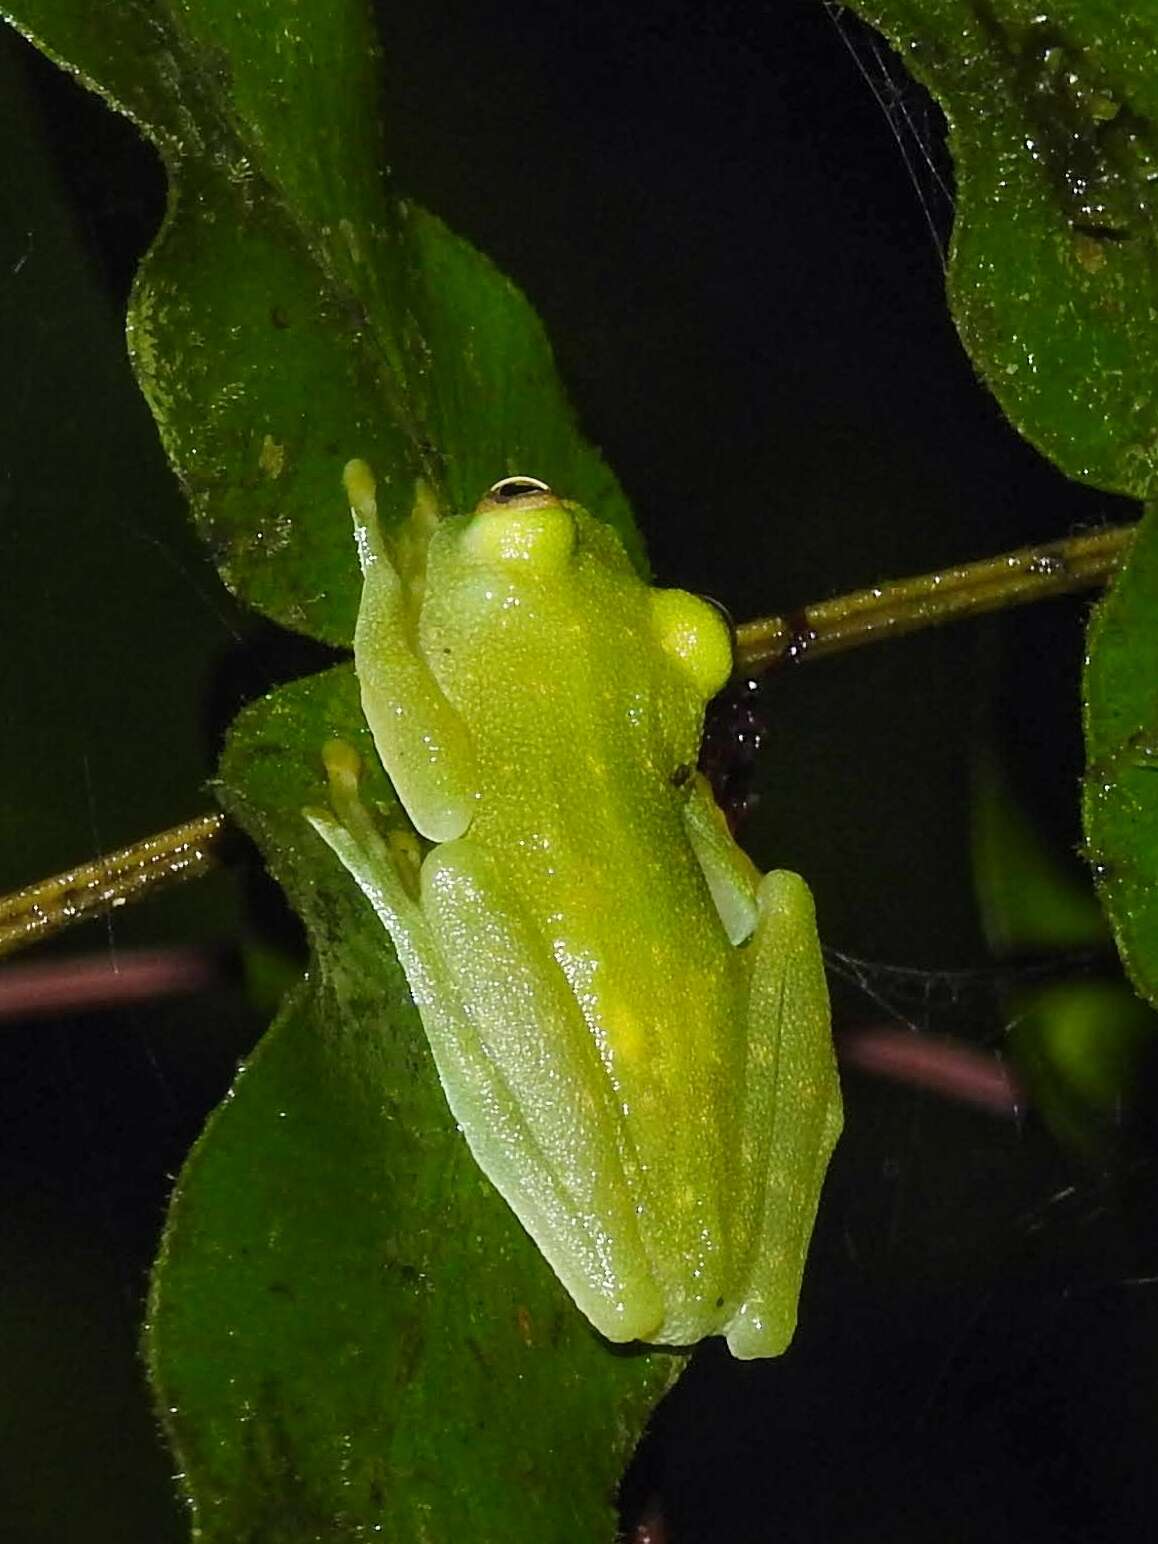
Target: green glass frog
[[630, 1023]]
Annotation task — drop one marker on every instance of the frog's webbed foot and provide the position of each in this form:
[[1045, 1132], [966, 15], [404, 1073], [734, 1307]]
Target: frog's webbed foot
[[385, 866], [408, 543]]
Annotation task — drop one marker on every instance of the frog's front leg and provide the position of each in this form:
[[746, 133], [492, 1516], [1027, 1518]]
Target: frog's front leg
[[386, 875], [733, 879], [525, 1081], [791, 1114], [421, 741]]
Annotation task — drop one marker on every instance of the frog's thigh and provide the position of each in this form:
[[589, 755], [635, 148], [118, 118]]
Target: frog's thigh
[[525, 1081], [793, 1109]]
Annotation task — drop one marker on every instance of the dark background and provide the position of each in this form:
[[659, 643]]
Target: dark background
[[714, 210]]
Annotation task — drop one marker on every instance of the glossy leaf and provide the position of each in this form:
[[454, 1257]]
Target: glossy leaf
[[1121, 784], [1034, 898], [1052, 274], [349, 1334], [294, 311], [1054, 287], [1081, 1041]]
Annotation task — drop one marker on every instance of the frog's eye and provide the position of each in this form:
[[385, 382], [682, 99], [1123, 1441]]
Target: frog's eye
[[724, 613], [520, 522], [508, 488], [695, 634]]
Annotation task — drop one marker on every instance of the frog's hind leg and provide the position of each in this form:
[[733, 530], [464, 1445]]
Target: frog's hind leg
[[513, 1052], [792, 1110], [386, 874], [525, 1081]]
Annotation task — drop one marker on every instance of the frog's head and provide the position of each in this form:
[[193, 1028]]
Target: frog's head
[[524, 529], [520, 521]]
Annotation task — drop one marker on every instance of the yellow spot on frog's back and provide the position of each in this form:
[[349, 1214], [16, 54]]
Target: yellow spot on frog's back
[[626, 1036], [272, 456]]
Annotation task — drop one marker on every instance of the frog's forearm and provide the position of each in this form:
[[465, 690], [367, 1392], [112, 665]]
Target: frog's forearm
[[421, 740]]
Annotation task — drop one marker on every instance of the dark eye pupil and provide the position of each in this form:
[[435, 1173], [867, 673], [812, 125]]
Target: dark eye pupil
[[516, 488]]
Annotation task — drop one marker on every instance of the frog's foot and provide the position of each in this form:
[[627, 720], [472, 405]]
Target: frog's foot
[[379, 862], [732, 877], [343, 771], [408, 543], [362, 492]]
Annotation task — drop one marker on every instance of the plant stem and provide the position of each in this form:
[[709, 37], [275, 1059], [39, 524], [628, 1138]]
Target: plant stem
[[930, 600], [90, 983], [50, 905], [829, 627]]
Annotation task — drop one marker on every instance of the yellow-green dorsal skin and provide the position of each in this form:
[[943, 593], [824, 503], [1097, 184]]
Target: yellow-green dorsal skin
[[631, 1025]]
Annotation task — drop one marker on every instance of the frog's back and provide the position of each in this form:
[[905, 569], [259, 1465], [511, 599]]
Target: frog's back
[[585, 753]]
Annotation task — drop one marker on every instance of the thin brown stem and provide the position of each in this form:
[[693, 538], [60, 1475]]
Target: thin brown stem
[[930, 600], [830, 626], [46, 907]]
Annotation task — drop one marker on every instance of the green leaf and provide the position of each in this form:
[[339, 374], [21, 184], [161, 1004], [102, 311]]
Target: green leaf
[[1121, 784], [1053, 277], [1082, 1044], [349, 1332], [1033, 897], [1054, 289], [1083, 1049], [294, 311]]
